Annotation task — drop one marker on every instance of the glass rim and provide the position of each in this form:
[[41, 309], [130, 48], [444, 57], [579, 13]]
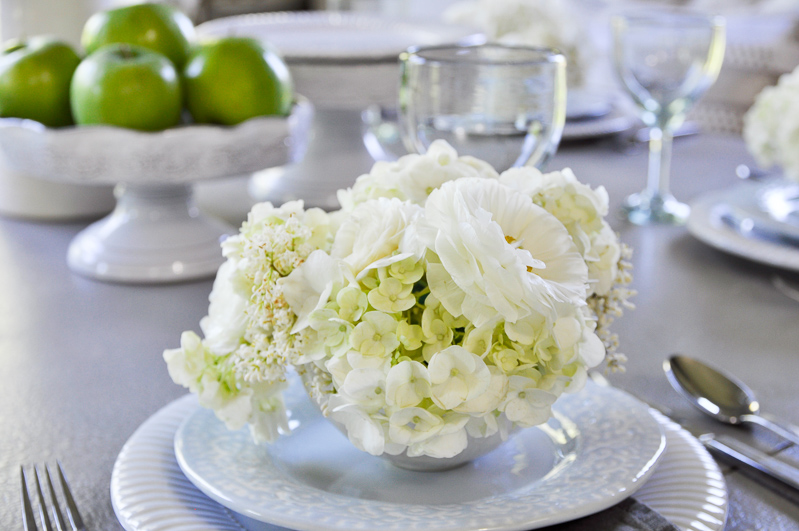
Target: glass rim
[[540, 54], [654, 15]]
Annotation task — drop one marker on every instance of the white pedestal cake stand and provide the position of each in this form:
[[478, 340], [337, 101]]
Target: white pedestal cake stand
[[156, 233]]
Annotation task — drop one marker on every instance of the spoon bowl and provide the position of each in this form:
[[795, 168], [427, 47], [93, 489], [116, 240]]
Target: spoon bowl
[[719, 395]]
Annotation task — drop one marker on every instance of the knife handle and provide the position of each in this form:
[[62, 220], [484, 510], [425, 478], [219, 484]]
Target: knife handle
[[752, 457]]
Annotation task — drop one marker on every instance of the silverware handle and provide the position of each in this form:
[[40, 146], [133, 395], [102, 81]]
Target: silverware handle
[[783, 431], [752, 457]]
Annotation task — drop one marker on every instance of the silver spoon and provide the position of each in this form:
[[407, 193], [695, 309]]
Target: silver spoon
[[719, 395]]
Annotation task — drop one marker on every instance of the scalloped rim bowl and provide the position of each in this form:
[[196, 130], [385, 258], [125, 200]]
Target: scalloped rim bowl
[[156, 234]]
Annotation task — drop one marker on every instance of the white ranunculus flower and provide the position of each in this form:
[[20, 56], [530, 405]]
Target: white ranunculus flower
[[499, 253], [413, 177], [457, 376], [407, 384], [581, 209], [226, 322], [372, 233]]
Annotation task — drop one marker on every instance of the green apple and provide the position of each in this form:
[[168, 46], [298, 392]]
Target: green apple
[[232, 79], [159, 27], [127, 86], [34, 80]]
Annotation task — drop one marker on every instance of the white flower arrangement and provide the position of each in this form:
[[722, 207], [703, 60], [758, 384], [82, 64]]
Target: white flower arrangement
[[441, 302], [549, 23], [771, 126]]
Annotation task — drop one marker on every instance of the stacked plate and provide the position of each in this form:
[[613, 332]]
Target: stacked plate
[[756, 221], [183, 469]]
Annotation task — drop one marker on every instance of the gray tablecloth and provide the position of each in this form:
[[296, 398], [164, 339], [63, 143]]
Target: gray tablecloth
[[81, 361]]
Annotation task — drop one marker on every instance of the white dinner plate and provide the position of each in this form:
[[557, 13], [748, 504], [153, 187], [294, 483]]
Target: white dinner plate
[[149, 491], [600, 447], [325, 36], [707, 224]]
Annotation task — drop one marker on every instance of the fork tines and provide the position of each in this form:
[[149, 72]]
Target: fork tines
[[45, 515]]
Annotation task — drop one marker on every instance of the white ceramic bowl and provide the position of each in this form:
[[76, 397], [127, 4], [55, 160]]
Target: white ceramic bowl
[[110, 155]]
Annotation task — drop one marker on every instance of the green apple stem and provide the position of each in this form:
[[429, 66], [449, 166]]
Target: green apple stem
[[126, 52]]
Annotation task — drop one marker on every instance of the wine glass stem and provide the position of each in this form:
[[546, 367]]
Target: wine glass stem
[[660, 140]]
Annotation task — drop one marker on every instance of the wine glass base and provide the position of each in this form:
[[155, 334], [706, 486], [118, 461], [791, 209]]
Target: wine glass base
[[645, 209], [154, 235]]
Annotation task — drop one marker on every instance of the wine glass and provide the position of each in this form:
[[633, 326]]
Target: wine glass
[[666, 59], [502, 104]]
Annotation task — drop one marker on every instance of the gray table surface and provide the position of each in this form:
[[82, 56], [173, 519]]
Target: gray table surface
[[81, 360]]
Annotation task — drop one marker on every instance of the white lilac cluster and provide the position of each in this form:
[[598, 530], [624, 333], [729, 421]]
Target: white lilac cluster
[[442, 301], [239, 368], [550, 23], [771, 126]]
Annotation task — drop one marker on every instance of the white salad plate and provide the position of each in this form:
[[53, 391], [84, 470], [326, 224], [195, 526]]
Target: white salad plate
[[340, 60], [149, 491], [732, 220], [600, 447]]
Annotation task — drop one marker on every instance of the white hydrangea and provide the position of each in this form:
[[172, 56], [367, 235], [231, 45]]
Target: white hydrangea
[[771, 126], [550, 23], [413, 177], [499, 253], [440, 305]]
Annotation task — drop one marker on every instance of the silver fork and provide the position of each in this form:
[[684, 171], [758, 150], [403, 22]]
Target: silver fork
[[28, 515]]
